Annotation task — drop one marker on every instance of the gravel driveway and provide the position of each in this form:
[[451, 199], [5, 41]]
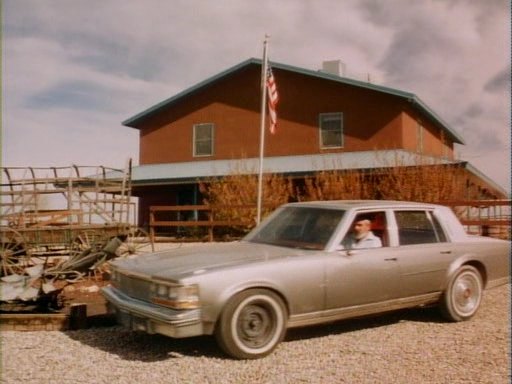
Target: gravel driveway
[[413, 346]]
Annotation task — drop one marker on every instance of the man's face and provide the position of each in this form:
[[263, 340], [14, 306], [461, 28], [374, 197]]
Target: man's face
[[361, 228]]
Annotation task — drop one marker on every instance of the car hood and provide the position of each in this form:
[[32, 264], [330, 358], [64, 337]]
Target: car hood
[[184, 261]]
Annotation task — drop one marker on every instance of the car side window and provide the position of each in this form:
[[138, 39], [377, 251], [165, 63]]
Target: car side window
[[418, 227]]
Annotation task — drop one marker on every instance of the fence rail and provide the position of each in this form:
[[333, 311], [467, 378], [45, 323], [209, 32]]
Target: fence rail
[[483, 217], [194, 216]]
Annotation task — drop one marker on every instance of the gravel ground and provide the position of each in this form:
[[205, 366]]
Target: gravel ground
[[412, 346]]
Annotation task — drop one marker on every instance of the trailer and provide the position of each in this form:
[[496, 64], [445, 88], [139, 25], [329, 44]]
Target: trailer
[[63, 223]]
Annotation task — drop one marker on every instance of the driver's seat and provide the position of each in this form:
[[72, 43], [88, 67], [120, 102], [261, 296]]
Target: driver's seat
[[379, 229]]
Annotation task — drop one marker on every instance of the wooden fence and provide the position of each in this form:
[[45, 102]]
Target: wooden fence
[[483, 217], [181, 220], [197, 222]]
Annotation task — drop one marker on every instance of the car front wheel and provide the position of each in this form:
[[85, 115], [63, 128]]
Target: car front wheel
[[463, 295], [252, 324]]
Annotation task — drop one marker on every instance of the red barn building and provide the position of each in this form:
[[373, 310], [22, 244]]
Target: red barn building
[[325, 121]]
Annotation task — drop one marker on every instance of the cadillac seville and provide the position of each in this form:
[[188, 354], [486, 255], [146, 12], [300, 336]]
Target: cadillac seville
[[309, 263]]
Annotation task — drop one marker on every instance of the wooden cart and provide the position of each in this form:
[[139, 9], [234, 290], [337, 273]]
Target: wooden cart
[[69, 219]]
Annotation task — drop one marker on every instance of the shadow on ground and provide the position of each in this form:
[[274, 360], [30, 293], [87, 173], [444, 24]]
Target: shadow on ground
[[104, 334]]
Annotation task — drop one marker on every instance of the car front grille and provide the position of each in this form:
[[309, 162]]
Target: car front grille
[[134, 286]]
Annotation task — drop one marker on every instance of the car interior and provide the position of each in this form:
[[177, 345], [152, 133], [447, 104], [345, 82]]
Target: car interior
[[379, 227]]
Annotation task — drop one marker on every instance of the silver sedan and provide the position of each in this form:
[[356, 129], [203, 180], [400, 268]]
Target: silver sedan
[[309, 263]]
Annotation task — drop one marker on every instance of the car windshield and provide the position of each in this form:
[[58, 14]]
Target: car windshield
[[298, 227]]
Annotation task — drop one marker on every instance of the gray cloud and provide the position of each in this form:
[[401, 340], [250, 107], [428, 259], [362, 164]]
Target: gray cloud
[[499, 82], [73, 95]]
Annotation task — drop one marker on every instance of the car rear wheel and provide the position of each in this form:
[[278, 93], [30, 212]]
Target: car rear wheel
[[252, 324], [463, 295]]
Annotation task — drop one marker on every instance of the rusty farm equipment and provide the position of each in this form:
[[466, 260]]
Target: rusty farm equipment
[[59, 224]]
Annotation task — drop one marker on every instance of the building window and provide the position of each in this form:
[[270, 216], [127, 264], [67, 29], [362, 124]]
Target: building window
[[331, 130], [203, 139]]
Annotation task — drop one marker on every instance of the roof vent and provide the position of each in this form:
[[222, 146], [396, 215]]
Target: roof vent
[[334, 67]]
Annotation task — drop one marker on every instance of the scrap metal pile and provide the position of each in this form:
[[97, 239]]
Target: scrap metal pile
[[59, 224]]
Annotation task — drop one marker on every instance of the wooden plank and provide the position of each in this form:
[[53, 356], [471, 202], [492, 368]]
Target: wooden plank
[[476, 203], [480, 222], [173, 208], [177, 208], [203, 223]]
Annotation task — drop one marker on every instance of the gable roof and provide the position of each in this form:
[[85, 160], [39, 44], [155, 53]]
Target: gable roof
[[416, 102]]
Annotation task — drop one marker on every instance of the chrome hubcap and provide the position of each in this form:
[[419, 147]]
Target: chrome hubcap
[[466, 294], [255, 326]]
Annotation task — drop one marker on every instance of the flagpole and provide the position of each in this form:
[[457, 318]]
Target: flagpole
[[262, 127]]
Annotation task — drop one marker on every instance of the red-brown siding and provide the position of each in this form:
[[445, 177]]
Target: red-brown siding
[[372, 120]]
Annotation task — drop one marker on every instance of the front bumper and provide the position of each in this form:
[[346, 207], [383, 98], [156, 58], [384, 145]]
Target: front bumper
[[143, 316]]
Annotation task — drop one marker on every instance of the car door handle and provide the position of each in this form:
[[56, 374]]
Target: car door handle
[[445, 252], [390, 259]]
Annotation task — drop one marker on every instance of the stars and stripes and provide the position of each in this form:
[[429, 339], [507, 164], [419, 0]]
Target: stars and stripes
[[273, 98]]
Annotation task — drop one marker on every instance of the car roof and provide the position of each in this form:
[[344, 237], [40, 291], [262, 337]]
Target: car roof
[[362, 204]]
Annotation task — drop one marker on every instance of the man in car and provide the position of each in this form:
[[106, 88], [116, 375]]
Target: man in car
[[361, 235]]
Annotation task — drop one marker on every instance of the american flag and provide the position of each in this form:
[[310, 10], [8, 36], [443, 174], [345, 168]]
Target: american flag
[[273, 98]]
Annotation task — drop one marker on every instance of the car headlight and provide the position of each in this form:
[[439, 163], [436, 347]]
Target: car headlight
[[176, 296]]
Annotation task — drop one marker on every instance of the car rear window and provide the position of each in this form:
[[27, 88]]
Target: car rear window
[[418, 227]]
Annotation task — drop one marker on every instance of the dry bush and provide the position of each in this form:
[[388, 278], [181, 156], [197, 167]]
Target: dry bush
[[234, 197], [425, 181], [337, 185], [421, 183]]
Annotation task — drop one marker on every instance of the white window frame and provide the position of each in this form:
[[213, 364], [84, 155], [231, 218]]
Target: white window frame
[[195, 140], [331, 116]]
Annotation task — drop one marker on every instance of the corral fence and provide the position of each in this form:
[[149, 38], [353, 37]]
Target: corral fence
[[207, 222], [484, 217], [200, 222]]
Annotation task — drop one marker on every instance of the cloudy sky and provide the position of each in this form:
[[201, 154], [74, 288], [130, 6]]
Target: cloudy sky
[[73, 70]]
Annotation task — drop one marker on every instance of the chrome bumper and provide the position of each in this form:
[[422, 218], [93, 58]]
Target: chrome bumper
[[143, 316]]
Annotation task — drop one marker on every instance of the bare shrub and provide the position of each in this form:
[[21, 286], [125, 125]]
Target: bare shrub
[[427, 180], [234, 197], [337, 185]]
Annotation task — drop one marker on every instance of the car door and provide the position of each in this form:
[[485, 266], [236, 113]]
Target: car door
[[361, 276], [423, 253]]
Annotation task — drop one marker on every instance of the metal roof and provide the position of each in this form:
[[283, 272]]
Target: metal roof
[[192, 172], [480, 175], [176, 173], [137, 119]]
